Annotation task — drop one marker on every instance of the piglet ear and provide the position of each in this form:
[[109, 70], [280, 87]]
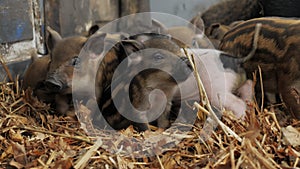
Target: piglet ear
[[52, 38], [197, 24], [95, 43], [134, 59], [93, 30], [212, 28], [130, 48], [158, 27]]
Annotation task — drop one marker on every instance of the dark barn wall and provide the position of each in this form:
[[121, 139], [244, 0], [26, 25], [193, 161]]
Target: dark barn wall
[[284, 8], [18, 30], [15, 21]]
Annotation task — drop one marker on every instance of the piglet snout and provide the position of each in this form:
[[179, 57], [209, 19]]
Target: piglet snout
[[187, 63], [53, 85], [184, 68]]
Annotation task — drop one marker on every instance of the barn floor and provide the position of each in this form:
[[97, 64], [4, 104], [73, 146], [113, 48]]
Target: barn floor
[[32, 136]]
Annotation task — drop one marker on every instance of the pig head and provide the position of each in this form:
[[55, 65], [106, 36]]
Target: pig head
[[149, 87], [215, 33], [42, 77], [207, 39], [64, 57], [192, 35]]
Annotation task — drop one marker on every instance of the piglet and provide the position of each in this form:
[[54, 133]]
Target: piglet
[[41, 69], [143, 66], [222, 81], [223, 78], [277, 55]]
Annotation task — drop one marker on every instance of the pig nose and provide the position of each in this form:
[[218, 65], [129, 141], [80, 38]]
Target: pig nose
[[53, 85], [187, 64], [183, 69]]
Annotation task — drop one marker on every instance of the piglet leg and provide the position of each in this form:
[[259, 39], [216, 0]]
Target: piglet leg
[[235, 104], [62, 103], [245, 91], [159, 108]]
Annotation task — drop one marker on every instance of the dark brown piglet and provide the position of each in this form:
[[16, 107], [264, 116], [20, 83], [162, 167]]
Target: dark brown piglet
[[35, 76], [228, 11], [42, 74], [150, 91]]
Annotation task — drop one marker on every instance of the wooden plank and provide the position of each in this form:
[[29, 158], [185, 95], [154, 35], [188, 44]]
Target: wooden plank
[[135, 24], [52, 14], [104, 10], [73, 17], [15, 22], [134, 6]]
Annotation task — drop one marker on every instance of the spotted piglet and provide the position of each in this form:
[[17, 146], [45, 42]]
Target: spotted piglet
[[223, 78]]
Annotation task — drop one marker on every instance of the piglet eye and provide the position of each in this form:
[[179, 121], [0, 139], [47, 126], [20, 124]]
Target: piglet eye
[[75, 61], [158, 56]]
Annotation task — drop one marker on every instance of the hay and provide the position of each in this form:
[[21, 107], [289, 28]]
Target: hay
[[33, 136]]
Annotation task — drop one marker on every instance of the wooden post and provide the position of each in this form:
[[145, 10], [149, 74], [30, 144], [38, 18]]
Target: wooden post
[[134, 23], [134, 6], [72, 17]]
